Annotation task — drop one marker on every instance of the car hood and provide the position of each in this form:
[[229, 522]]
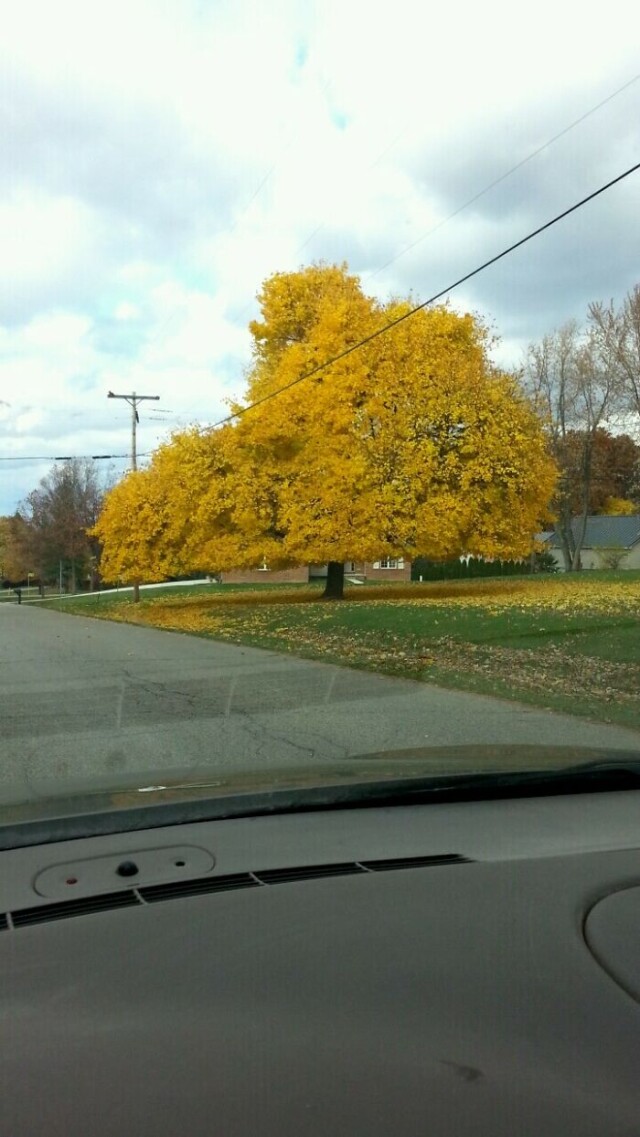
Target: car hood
[[390, 768]]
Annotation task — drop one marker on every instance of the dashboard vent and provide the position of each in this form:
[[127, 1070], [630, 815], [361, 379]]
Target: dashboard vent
[[67, 908], [153, 893], [156, 893], [414, 862], [308, 872]]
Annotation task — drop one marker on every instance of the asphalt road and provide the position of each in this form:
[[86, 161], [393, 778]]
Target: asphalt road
[[83, 701]]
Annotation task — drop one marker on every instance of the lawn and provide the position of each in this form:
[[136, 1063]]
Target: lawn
[[569, 643]]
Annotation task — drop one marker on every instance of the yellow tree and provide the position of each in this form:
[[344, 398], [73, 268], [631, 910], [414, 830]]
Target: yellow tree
[[411, 445], [175, 516], [128, 529], [15, 560], [307, 316]]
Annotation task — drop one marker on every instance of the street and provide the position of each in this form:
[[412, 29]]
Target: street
[[85, 700]]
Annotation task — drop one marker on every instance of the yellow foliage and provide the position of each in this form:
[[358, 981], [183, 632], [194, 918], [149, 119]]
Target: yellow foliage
[[620, 507], [152, 522], [15, 560], [411, 445], [219, 613], [128, 529]]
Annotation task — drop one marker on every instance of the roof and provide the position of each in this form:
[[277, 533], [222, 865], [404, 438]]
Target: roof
[[605, 532]]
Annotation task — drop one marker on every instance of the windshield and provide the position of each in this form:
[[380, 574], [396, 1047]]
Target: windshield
[[320, 400]]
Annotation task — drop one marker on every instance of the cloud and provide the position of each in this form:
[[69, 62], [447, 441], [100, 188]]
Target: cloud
[[158, 162]]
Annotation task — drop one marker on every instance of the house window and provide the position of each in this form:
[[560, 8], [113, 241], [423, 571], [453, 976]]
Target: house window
[[390, 563]]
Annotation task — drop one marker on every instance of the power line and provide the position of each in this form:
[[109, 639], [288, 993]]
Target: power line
[[64, 457], [490, 186], [501, 178], [425, 303], [471, 201]]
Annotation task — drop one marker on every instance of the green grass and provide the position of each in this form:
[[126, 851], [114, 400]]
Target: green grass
[[569, 644], [611, 637], [578, 665]]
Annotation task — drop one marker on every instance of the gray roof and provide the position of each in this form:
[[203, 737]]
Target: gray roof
[[605, 532]]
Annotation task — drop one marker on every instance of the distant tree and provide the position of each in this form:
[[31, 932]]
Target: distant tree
[[615, 462], [620, 328], [574, 375], [630, 355], [15, 560], [56, 519], [619, 507], [617, 467]]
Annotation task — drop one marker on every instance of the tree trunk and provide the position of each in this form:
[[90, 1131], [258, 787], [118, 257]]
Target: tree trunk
[[334, 588], [576, 563], [565, 533]]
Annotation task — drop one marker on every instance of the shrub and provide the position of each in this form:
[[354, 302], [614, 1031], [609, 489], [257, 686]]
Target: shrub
[[612, 557]]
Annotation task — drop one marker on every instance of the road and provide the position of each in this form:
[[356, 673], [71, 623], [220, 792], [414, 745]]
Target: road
[[83, 699]]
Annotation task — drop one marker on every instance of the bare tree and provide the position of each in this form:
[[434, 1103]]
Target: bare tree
[[575, 377], [621, 328], [630, 357]]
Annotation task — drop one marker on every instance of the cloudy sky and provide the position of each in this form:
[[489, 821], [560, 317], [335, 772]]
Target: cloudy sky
[[159, 159]]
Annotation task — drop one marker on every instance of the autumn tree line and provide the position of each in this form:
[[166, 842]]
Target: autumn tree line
[[583, 378], [414, 444], [50, 537]]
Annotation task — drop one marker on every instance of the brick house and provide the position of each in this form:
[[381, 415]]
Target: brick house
[[387, 568]]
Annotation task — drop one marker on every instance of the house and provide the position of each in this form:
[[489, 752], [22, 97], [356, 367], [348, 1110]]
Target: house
[[387, 568], [604, 534]]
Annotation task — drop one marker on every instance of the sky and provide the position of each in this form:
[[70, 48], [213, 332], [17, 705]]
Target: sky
[[159, 160]]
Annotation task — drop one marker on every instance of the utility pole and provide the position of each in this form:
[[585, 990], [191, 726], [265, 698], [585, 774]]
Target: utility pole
[[133, 401]]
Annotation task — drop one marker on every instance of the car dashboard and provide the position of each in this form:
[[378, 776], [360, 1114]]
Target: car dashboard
[[452, 969]]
